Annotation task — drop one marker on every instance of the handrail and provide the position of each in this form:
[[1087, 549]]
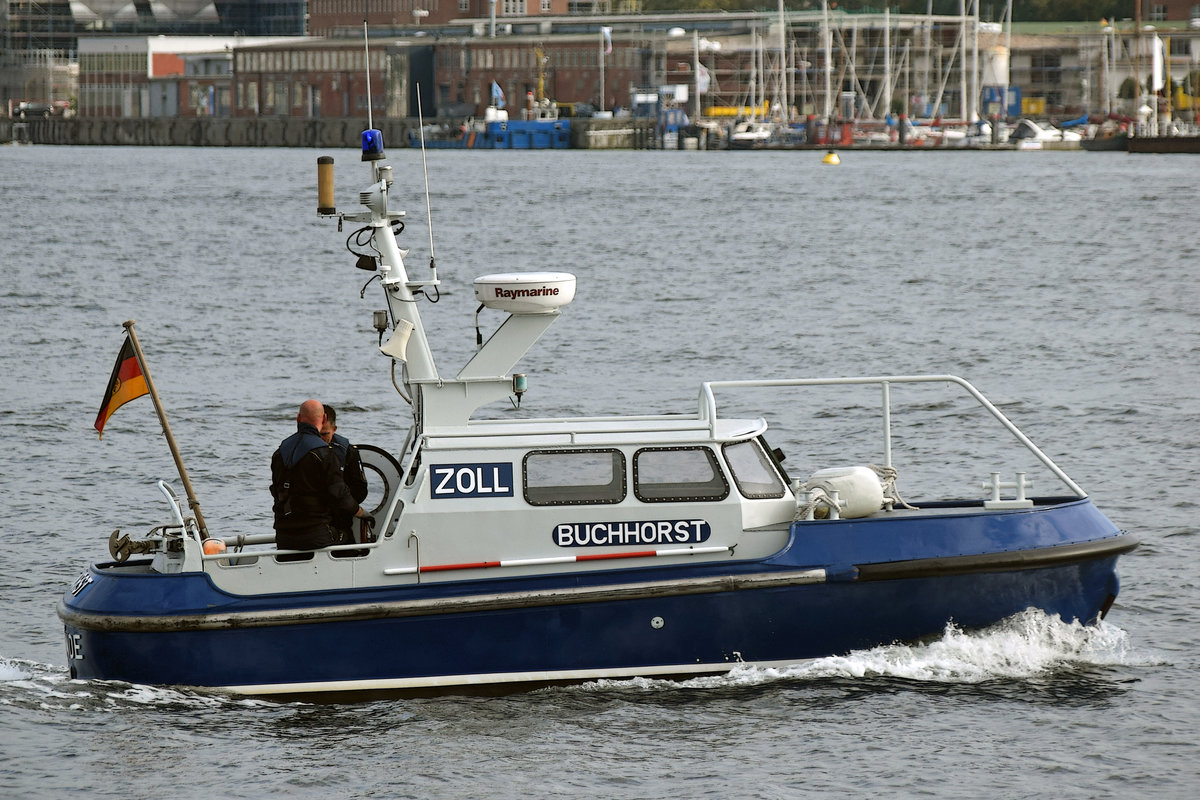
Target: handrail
[[173, 501], [565, 427], [269, 538], [708, 408], [235, 555]]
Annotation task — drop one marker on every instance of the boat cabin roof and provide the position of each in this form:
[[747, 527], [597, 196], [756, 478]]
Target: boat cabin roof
[[593, 431]]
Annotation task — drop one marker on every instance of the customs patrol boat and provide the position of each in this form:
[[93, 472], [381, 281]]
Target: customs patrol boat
[[511, 553]]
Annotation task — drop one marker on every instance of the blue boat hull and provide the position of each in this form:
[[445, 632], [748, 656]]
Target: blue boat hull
[[664, 621], [513, 135]]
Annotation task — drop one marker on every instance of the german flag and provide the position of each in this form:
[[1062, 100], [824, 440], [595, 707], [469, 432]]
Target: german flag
[[126, 383]]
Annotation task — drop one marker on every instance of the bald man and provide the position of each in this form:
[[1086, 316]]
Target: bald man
[[307, 484]]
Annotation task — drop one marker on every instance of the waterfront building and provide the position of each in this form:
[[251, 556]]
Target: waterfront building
[[39, 48], [157, 76], [825, 63]]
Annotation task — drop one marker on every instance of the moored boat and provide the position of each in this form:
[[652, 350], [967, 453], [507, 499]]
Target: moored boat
[[518, 552], [496, 132], [1164, 144], [1118, 142], [752, 134], [1109, 135]]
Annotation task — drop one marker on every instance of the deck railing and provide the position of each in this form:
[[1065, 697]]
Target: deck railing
[[708, 408]]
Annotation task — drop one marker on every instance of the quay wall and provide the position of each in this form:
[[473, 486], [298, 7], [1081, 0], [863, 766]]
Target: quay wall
[[278, 132]]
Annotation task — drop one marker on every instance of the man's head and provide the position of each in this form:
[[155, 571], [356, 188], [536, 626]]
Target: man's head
[[311, 413], [329, 425]]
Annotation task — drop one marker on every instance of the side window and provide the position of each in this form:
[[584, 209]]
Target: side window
[[752, 470], [666, 474], [574, 477]]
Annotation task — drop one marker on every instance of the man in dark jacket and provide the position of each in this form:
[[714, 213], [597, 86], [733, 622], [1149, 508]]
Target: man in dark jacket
[[307, 484], [352, 473]]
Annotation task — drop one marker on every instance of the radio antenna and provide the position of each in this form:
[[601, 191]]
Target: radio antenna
[[425, 169], [367, 54]]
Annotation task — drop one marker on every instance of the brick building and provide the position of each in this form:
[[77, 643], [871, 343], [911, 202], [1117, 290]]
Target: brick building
[[327, 17], [1169, 10], [154, 76], [564, 68], [451, 77], [323, 78]]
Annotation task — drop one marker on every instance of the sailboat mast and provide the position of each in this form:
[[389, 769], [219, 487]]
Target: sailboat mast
[[975, 62], [927, 64], [827, 45], [887, 64], [784, 100], [1007, 58], [962, 60]]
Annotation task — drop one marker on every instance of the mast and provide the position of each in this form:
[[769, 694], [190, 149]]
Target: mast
[[752, 89], [906, 68], [852, 63], [1166, 65], [1106, 68], [1137, 63], [975, 63], [784, 100], [437, 402], [928, 63], [962, 60], [1007, 58], [605, 34], [887, 63], [827, 45]]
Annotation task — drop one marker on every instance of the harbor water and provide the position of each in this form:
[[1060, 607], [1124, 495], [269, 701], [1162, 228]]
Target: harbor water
[[1064, 285]]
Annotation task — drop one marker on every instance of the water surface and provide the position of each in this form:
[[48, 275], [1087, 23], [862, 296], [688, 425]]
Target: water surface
[[1062, 284]]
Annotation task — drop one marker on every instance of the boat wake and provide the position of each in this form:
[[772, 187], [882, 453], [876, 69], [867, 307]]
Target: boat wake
[[1027, 646], [29, 684]]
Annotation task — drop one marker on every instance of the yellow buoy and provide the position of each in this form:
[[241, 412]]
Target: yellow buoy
[[831, 158]]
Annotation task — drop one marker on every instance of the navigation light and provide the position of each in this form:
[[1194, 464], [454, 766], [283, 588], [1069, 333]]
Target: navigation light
[[372, 144]]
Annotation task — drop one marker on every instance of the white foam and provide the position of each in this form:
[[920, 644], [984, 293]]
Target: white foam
[[48, 686], [11, 672], [1027, 645]]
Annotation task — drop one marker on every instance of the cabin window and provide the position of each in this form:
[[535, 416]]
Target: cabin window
[[574, 477], [668, 474], [753, 471]]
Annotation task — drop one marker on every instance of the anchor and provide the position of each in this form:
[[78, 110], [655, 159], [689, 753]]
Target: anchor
[[121, 547]]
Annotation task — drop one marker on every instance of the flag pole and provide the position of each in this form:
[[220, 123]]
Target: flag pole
[[193, 503]]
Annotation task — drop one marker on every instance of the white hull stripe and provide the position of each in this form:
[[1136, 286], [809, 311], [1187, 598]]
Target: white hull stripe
[[498, 678], [538, 562]]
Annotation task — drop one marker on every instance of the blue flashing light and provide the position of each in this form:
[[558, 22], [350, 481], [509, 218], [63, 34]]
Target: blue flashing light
[[372, 145]]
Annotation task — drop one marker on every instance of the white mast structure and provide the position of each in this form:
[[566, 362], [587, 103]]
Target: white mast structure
[[964, 101], [827, 46], [785, 99], [887, 63], [1007, 57]]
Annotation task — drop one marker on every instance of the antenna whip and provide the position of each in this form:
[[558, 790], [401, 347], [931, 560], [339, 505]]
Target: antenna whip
[[425, 168], [367, 54]]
